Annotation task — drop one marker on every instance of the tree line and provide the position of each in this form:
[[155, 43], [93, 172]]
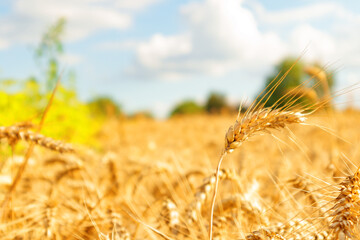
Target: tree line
[[303, 83]]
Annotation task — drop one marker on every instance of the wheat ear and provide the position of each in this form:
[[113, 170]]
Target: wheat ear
[[15, 133], [252, 123], [203, 193], [263, 234], [259, 121], [295, 229], [347, 208], [170, 214]]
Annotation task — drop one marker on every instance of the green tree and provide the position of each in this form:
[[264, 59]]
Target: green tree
[[277, 95], [215, 103], [187, 107], [272, 93], [104, 107]]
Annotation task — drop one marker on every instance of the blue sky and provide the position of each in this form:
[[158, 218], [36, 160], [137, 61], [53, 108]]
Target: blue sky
[[151, 54]]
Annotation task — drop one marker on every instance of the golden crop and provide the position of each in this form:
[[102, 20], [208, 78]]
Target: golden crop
[[155, 179]]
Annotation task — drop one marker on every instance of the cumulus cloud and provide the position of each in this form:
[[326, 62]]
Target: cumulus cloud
[[28, 18], [221, 36], [225, 29], [333, 39], [159, 47], [227, 35], [321, 46]]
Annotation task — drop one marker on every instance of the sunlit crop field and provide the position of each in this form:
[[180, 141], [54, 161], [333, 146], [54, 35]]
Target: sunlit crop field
[[153, 179]]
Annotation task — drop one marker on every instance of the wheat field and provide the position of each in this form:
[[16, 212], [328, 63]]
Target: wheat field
[[155, 180]]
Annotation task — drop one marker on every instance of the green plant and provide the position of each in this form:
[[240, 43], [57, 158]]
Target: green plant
[[215, 103], [187, 107], [297, 83]]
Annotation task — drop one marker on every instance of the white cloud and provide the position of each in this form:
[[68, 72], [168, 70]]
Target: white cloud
[[116, 45], [221, 36], [4, 44], [320, 45], [29, 18], [300, 14], [159, 48], [134, 4], [332, 40]]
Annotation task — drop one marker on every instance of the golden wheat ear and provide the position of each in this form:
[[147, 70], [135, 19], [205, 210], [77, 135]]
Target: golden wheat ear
[[346, 210], [259, 121], [193, 210], [14, 133], [171, 216]]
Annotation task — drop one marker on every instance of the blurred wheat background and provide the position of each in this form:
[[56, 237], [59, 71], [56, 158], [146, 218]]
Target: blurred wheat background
[[154, 171]]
